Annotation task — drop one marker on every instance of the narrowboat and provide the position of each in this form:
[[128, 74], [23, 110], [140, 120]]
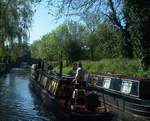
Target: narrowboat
[[128, 97], [67, 101]]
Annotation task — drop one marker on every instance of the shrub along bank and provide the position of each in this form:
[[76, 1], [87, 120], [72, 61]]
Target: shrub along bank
[[129, 67]]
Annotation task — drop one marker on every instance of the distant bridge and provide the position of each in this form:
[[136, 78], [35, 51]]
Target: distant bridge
[[26, 60]]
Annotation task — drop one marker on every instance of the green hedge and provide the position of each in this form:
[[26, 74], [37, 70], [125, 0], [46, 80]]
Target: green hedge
[[117, 66]]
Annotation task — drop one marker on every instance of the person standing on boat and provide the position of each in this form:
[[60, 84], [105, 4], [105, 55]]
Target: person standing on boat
[[79, 76], [78, 82], [34, 68]]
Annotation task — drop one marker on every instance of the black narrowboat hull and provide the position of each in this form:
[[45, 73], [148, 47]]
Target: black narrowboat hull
[[62, 113], [48, 100], [126, 107]]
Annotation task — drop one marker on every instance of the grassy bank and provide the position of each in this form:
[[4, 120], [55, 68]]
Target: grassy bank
[[119, 66]]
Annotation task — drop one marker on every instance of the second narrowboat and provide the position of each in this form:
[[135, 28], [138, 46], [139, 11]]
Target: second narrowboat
[[129, 98]]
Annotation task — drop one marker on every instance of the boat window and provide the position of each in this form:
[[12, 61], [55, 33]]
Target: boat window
[[54, 83], [115, 84], [126, 86], [106, 83], [99, 82], [47, 84], [44, 81], [50, 86], [55, 88], [134, 88], [42, 78]]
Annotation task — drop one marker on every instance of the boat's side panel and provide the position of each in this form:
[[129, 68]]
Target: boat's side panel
[[49, 101], [124, 106]]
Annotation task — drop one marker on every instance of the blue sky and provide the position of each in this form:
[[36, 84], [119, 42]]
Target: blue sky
[[42, 23]]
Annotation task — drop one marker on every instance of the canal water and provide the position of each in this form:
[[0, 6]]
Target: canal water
[[17, 103]]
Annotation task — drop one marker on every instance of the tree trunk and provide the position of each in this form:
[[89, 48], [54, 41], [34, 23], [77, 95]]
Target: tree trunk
[[127, 47], [92, 53], [61, 64], [145, 42]]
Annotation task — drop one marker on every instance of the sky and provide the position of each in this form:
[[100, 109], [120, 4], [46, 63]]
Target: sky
[[43, 23]]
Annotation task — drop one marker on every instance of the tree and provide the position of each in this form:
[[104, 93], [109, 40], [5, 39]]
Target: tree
[[121, 13], [64, 41], [15, 20], [139, 12], [45, 48], [92, 42], [108, 44], [91, 21], [73, 42], [112, 10]]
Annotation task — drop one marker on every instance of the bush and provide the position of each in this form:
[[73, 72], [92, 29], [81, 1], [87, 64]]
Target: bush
[[117, 66]]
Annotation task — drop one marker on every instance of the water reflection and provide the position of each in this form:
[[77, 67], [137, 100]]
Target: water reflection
[[17, 102]]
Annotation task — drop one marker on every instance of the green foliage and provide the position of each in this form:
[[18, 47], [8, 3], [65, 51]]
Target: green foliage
[[45, 48], [18, 50], [67, 38], [67, 69], [104, 42], [15, 21], [2, 52], [72, 50], [14, 53], [139, 17], [77, 43], [122, 66], [72, 44], [122, 32], [109, 44]]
